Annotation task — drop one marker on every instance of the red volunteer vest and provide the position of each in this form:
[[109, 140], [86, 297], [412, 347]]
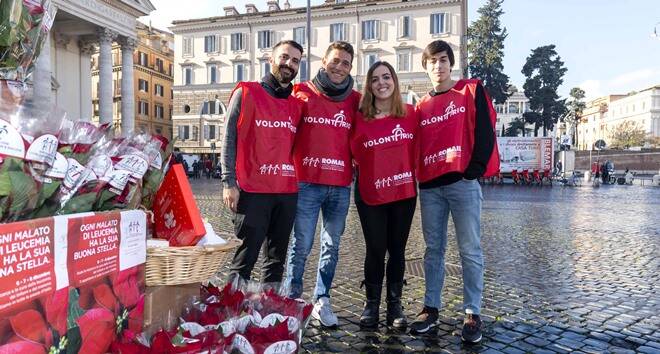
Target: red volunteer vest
[[322, 150], [446, 132], [266, 130], [384, 150]]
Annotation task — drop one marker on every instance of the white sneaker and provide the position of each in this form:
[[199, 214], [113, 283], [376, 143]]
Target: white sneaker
[[323, 313]]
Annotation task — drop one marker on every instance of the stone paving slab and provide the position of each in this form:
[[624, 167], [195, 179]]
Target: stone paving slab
[[567, 270]]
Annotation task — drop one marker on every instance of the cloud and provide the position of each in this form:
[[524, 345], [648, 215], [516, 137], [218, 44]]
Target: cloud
[[635, 80]]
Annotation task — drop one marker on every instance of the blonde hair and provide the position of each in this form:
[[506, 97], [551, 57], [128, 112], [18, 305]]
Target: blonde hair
[[367, 103]]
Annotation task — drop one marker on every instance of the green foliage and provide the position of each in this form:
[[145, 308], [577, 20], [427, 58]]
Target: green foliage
[[486, 50], [574, 108], [627, 134], [515, 127], [544, 71]]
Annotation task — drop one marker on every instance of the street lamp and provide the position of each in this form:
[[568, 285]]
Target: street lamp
[[655, 31]]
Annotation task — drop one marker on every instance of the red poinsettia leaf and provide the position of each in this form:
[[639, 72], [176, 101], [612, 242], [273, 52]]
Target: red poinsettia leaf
[[55, 306], [97, 330], [260, 338], [210, 290], [232, 300], [128, 348], [5, 330], [209, 317], [86, 296], [22, 347], [161, 342], [105, 298], [124, 275], [307, 310], [126, 289], [29, 325], [136, 316]]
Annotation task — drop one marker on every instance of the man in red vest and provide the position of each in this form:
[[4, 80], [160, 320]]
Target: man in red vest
[[456, 143], [258, 173], [323, 163]]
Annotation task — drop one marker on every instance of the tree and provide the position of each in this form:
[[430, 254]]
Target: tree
[[627, 134], [486, 50], [515, 126], [544, 71], [575, 107]]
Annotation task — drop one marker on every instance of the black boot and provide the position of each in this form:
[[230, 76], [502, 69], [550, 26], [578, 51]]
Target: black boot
[[369, 316], [395, 316]]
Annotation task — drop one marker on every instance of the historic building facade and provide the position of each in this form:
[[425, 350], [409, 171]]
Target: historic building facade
[[213, 54], [153, 66], [602, 116], [63, 72]]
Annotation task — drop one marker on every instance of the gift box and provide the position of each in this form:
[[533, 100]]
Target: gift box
[[176, 216]]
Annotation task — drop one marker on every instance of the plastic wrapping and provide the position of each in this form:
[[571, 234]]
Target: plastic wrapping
[[24, 25]]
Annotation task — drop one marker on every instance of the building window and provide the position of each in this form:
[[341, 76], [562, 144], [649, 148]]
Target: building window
[[159, 64], [440, 23], [159, 90], [143, 85], [187, 76], [369, 60], [171, 69], [403, 60], [404, 27], [237, 41], [209, 132], [370, 30], [144, 58], [299, 35], [213, 74], [184, 132], [265, 67], [265, 39], [514, 108], [210, 44], [338, 32], [159, 111], [117, 87], [239, 72], [188, 46], [143, 108], [304, 74]]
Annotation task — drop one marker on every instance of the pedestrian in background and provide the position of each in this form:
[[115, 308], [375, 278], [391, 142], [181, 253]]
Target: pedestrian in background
[[383, 146]]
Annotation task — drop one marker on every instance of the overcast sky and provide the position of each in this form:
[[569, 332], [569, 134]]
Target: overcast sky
[[605, 44]]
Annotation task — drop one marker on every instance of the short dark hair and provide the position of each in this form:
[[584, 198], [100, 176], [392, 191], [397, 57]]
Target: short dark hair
[[340, 45], [436, 47], [289, 42]]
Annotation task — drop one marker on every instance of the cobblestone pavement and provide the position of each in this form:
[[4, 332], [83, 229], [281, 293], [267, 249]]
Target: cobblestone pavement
[[567, 270]]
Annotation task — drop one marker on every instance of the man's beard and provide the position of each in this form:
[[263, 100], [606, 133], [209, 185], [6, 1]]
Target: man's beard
[[284, 77]]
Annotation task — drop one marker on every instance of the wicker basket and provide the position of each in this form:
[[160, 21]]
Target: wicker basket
[[186, 265]]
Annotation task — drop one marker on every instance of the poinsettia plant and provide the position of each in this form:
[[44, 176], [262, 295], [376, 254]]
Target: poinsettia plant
[[24, 25], [36, 327], [108, 310]]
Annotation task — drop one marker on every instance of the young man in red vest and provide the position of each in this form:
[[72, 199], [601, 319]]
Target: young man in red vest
[[323, 163], [456, 141], [258, 173]]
